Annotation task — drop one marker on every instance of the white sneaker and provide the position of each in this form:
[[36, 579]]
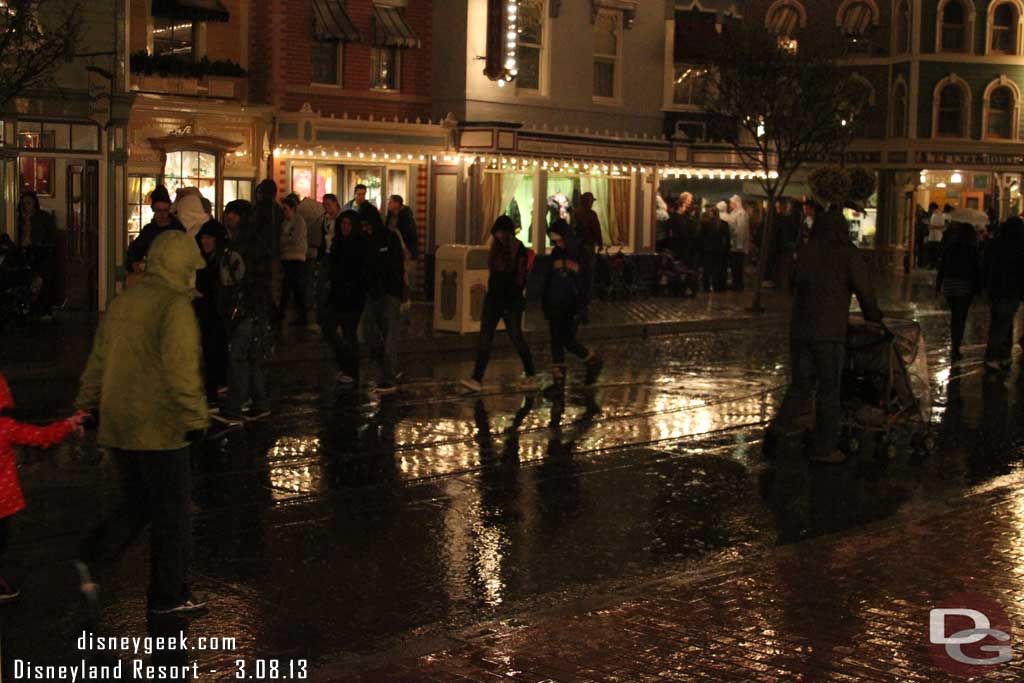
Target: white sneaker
[[472, 385], [342, 378]]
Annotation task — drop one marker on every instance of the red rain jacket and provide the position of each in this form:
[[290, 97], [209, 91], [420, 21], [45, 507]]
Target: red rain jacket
[[14, 433]]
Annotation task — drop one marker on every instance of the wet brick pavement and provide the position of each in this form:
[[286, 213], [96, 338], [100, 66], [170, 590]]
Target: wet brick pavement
[[850, 607]]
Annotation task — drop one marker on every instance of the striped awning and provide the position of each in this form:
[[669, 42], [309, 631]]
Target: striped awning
[[190, 10], [331, 22], [391, 30]]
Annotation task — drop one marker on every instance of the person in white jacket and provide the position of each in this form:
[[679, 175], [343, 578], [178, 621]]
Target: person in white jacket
[[739, 233], [294, 244]]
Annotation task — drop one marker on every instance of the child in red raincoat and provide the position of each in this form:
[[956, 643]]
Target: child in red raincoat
[[14, 433]]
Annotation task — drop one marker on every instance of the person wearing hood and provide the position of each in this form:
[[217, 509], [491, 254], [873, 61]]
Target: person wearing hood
[[163, 221], [385, 269], [507, 263], [247, 308], [739, 239], [830, 270], [143, 383], [563, 301], [212, 240], [1004, 280], [190, 209], [14, 433], [347, 294], [294, 243], [959, 279]]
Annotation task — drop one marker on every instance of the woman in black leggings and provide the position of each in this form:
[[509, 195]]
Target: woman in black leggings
[[563, 305]]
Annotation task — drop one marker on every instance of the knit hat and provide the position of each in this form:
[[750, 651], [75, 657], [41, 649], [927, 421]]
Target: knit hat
[[503, 223], [159, 194]]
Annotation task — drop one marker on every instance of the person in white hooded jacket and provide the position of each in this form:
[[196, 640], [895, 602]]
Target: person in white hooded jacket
[[739, 233]]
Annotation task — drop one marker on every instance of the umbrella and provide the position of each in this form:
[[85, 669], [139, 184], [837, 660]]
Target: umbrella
[[969, 216]]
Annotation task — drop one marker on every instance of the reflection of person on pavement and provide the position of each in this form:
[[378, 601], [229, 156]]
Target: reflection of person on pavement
[[829, 272]]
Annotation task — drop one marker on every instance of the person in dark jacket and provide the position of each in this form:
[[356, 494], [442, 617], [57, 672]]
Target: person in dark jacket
[[38, 240], [958, 279], [830, 270], [212, 239], [247, 309], [160, 201], [1004, 279], [385, 284], [401, 219], [714, 240], [347, 296], [507, 263], [563, 302]]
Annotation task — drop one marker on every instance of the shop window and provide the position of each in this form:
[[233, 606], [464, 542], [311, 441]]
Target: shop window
[[373, 178], [302, 180], [607, 50], [326, 58], [236, 189], [612, 203], [384, 68], [51, 135], [855, 25], [530, 44], [954, 27], [398, 183], [36, 175], [512, 195], [1001, 108], [192, 169], [173, 37], [903, 34], [139, 211], [326, 181], [951, 112], [899, 110], [863, 224], [1003, 29]]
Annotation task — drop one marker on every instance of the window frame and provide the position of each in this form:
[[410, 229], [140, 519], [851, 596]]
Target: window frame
[[615, 60], [1018, 9], [967, 28], [866, 36], [542, 58], [397, 69], [195, 52], [778, 5], [140, 205], [965, 108], [1002, 82]]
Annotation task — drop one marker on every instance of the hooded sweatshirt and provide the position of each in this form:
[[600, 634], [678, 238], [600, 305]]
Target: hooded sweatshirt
[[348, 265], [144, 371], [385, 258]]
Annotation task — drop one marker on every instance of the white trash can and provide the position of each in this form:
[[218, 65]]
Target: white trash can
[[460, 285]]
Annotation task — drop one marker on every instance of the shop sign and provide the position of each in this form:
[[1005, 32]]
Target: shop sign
[[970, 158], [578, 150]]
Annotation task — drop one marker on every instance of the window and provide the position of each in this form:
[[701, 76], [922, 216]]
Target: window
[[688, 87], [173, 37], [607, 43], [236, 189], [192, 169], [899, 111], [950, 118], [530, 47], [903, 28], [855, 25], [1004, 29], [326, 60], [785, 19], [1001, 108], [384, 68], [954, 27], [139, 212]]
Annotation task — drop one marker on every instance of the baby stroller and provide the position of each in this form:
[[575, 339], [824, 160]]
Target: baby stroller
[[674, 278], [885, 392]]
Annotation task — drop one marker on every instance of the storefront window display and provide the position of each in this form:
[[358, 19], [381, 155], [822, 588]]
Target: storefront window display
[[192, 169], [612, 203], [863, 224], [512, 195], [237, 189], [139, 211], [373, 178]]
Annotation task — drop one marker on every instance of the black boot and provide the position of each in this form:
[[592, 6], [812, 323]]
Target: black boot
[[594, 366], [557, 386]]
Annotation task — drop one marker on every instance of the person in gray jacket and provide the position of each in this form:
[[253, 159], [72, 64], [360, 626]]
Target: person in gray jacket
[[830, 270], [294, 243]]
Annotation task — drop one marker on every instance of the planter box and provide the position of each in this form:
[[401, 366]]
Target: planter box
[[224, 87]]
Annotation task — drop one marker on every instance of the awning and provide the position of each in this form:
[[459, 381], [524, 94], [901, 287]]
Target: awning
[[331, 22], [190, 10], [390, 29]]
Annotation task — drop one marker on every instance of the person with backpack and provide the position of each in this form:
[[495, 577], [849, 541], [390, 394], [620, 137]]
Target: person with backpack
[[508, 265], [564, 302]]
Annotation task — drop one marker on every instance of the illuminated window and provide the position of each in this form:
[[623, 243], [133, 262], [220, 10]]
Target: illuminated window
[[785, 19], [173, 37], [530, 44], [688, 87], [139, 212], [192, 169], [236, 189], [607, 46], [384, 68]]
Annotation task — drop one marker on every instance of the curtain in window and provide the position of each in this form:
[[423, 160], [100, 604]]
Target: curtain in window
[[619, 206], [498, 189]]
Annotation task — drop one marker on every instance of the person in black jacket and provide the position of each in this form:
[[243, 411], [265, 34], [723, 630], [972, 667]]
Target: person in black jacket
[[212, 239], [958, 279], [564, 303], [385, 285], [714, 238], [830, 270], [1004, 279], [347, 296], [507, 263], [160, 201]]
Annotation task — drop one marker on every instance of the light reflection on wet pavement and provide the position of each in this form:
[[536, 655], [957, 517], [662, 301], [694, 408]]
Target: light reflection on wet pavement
[[350, 525]]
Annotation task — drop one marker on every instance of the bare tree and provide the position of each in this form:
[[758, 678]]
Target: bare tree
[[779, 102], [35, 37]]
